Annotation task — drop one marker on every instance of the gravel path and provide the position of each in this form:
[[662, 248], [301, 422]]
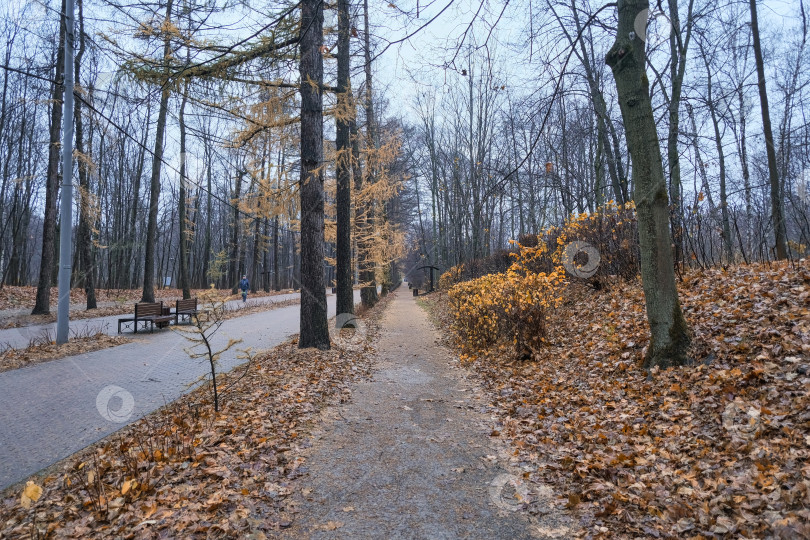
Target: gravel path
[[410, 455], [49, 411]]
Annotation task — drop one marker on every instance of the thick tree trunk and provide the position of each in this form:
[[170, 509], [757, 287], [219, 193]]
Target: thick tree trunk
[[777, 205], [669, 339], [46, 265], [343, 114], [154, 195], [314, 329]]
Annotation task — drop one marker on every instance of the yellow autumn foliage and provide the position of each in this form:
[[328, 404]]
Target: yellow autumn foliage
[[506, 309], [451, 277]]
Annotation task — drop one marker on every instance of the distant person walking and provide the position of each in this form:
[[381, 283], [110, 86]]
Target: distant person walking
[[244, 285]]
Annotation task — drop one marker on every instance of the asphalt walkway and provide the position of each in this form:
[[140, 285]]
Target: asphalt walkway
[[49, 411]]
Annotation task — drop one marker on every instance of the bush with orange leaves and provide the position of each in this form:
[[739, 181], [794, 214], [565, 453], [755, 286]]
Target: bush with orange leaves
[[506, 309], [612, 230], [451, 277]]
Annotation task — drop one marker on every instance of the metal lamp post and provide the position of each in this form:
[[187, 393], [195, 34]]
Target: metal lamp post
[[66, 210]]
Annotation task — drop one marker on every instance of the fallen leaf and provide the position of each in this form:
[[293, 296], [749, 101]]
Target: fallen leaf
[[31, 494]]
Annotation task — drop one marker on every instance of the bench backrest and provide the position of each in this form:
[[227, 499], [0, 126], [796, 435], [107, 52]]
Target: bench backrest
[[148, 309], [186, 305]]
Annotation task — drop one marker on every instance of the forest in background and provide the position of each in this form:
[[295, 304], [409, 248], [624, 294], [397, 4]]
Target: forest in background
[[495, 161], [191, 109], [214, 140], [160, 114]]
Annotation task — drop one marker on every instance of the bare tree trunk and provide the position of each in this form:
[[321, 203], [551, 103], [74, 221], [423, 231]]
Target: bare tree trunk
[[728, 246], [46, 265], [365, 266], [183, 198], [343, 113], [679, 45], [208, 210], [154, 195], [276, 282], [669, 339], [777, 205], [131, 233], [368, 293], [233, 271], [314, 329], [597, 101], [3, 118], [257, 223], [746, 174], [701, 165], [84, 244], [265, 262]]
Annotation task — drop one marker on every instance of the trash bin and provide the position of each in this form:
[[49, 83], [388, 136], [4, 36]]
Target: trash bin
[[416, 292]]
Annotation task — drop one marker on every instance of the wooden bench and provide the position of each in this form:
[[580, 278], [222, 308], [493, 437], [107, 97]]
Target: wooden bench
[[185, 308], [150, 313]]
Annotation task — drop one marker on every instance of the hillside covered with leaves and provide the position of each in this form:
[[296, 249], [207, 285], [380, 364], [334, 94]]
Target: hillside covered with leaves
[[716, 449]]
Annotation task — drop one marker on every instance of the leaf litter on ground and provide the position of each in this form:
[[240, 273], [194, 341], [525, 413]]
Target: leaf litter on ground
[[185, 468], [718, 449]]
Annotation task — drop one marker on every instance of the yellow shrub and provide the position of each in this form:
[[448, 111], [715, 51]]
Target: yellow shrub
[[507, 308], [451, 277]]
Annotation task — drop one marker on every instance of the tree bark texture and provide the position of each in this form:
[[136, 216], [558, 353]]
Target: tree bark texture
[[154, 185], [314, 329], [345, 296], [46, 265], [669, 339]]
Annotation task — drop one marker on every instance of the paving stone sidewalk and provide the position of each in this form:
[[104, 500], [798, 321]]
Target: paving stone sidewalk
[[410, 456], [49, 411]]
